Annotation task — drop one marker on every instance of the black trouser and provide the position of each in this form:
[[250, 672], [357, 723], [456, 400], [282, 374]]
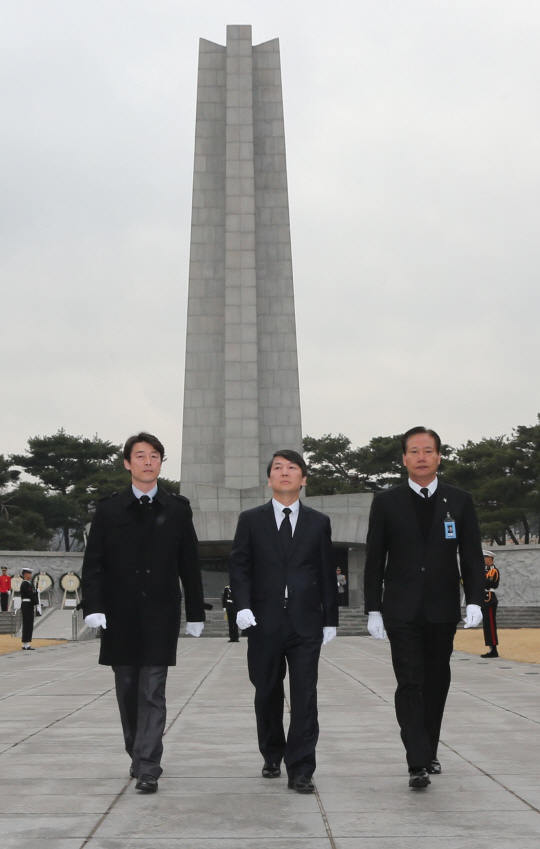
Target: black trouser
[[27, 613], [140, 691], [233, 627], [421, 654], [489, 621], [268, 657], [4, 601]]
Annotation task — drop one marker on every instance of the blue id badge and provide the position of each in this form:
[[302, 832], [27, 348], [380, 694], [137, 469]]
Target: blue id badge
[[449, 527]]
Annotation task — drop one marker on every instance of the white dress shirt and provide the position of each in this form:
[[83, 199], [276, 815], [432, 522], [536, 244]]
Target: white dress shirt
[[431, 487], [137, 492], [280, 515]]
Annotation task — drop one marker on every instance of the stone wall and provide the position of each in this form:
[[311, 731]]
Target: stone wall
[[55, 563], [519, 566]]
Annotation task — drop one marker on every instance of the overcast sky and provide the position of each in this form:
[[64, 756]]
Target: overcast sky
[[412, 132]]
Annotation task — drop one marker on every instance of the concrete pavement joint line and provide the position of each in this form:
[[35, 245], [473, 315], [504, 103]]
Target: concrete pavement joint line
[[14, 654], [493, 704], [28, 690], [56, 721], [119, 796], [387, 661], [325, 820], [492, 778], [319, 800], [365, 686]]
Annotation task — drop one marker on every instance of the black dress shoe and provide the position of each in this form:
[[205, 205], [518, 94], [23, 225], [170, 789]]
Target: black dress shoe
[[301, 783], [146, 783], [271, 770], [28, 648], [418, 778], [435, 767], [492, 653]]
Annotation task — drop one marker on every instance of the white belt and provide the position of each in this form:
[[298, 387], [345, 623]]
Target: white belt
[[25, 599]]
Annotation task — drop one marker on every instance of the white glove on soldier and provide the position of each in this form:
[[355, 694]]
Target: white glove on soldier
[[375, 625], [95, 620], [473, 616], [245, 619], [328, 634], [194, 629]]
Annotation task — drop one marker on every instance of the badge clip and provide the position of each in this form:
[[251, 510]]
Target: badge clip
[[449, 527]]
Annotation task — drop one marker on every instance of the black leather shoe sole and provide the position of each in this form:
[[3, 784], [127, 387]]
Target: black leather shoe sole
[[147, 783], [271, 771], [301, 783], [419, 779]]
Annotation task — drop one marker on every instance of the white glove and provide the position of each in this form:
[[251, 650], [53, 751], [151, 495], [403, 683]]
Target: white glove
[[245, 619], [194, 629], [95, 620], [375, 625], [473, 616], [328, 634]]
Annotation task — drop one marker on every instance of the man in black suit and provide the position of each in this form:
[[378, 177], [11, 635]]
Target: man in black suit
[[142, 540], [283, 580], [412, 591]]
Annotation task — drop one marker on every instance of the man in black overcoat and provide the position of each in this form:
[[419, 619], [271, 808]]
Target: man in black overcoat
[[412, 591], [283, 581], [141, 542]]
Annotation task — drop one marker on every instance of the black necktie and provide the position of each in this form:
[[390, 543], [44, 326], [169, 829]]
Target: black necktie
[[425, 491], [285, 529], [145, 503]]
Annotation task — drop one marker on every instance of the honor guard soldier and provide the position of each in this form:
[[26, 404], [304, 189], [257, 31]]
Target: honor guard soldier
[[5, 587], [29, 599], [230, 612], [489, 605]]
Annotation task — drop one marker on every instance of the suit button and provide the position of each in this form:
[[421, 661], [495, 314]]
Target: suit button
[[148, 571], [423, 570], [144, 594]]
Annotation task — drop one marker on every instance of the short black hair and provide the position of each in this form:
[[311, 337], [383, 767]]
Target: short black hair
[[143, 437], [414, 430], [292, 456]]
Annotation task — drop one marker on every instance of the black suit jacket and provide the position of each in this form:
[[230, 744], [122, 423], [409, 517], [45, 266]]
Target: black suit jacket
[[130, 573], [260, 571], [406, 575]]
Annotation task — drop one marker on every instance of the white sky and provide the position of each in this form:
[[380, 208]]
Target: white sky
[[412, 134]]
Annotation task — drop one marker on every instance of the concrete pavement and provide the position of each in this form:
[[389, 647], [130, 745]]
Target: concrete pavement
[[64, 774]]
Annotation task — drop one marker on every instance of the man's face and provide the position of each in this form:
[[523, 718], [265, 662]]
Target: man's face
[[421, 458], [489, 562], [286, 478], [144, 465]]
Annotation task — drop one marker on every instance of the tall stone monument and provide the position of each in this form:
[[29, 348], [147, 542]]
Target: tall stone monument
[[241, 395]]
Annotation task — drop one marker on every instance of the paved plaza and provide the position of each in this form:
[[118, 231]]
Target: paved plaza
[[64, 774]]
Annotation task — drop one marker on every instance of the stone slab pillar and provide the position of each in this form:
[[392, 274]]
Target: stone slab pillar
[[241, 397]]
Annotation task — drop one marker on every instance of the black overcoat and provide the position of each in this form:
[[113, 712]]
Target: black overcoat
[[131, 570], [404, 574], [260, 571]]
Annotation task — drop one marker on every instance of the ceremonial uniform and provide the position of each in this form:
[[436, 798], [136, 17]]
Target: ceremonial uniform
[[5, 587], [230, 611], [29, 599], [489, 607]]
